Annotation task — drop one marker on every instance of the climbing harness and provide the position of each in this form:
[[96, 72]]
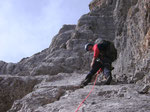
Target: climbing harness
[[90, 91]]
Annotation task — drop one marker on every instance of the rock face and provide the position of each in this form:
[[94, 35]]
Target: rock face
[[49, 80], [131, 35], [122, 97], [13, 88]]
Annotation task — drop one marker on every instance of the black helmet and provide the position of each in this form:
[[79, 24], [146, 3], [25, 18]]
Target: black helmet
[[87, 45]]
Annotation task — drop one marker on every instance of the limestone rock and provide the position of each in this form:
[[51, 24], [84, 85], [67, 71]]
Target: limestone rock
[[48, 91], [132, 25], [121, 98], [37, 98], [49, 80], [13, 88]]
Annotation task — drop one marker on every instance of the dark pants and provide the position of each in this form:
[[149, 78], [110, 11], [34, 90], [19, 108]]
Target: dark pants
[[106, 68]]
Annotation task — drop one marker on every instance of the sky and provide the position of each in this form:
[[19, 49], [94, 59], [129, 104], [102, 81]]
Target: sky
[[28, 26]]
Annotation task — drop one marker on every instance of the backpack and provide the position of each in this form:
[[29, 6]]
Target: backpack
[[108, 50]]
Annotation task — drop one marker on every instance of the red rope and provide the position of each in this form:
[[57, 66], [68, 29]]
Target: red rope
[[90, 91]]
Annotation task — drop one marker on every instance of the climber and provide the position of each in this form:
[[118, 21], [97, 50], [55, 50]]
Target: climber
[[100, 60]]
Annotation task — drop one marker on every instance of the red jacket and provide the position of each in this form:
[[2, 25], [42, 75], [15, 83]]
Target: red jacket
[[96, 51]]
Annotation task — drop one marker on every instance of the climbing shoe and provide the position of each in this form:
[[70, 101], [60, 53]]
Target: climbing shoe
[[84, 83], [108, 80]]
